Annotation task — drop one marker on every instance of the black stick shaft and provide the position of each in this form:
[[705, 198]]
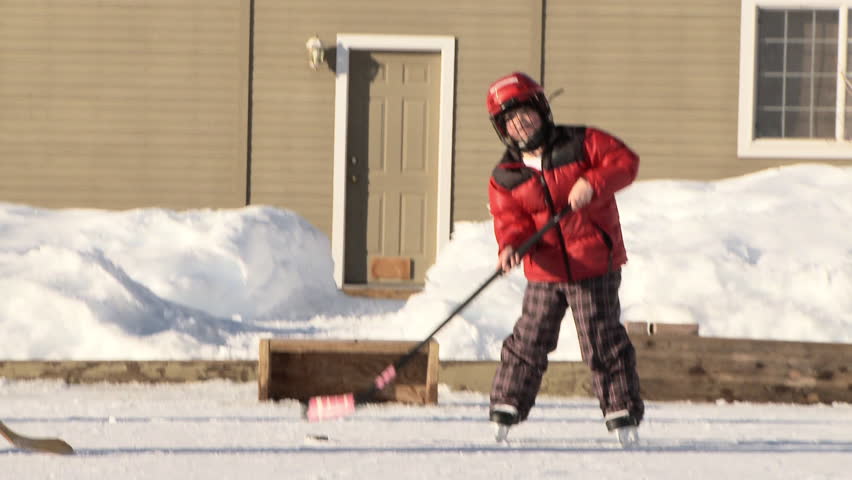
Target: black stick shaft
[[522, 251]]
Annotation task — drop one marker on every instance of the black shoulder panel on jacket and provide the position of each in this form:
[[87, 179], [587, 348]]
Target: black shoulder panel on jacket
[[567, 146], [510, 172]]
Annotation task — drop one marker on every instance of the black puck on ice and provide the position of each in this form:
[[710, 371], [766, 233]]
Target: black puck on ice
[[319, 438]]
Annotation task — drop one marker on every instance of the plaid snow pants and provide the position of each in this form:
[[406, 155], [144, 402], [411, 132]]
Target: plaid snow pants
[[604, 344]]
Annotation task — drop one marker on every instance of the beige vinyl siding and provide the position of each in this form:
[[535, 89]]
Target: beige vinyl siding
[[293, 121], [119, 104], [663, 76]]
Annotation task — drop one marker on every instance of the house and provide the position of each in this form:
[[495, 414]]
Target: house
[[383, 142]]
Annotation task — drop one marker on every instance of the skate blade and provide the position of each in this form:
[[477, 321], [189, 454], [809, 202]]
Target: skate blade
[[501, 432], [628, 437]]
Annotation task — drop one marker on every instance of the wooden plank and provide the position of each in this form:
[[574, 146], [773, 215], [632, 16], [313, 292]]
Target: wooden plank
[[432, 368], [636, 328], [687, 367], [396, 347], [677, 368], [474, 376], [570, 379], [263, 370], [301, 376], [166, 371], [658, 328], [303, 368], [786, 349], [791, 372]]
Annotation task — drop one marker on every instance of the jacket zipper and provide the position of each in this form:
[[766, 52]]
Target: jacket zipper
[[608, 242], [550, 207]]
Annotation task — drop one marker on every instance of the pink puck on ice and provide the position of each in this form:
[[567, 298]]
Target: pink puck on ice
[[330, 406]]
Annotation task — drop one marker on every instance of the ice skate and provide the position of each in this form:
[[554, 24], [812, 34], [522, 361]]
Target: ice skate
[[503, 416], [625, 427]]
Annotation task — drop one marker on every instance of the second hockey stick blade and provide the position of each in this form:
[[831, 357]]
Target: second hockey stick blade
[[30, 444]]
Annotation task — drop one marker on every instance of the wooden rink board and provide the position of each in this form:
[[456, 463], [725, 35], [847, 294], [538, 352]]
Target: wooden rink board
[[303, 368], [707, 369], [674, 365]]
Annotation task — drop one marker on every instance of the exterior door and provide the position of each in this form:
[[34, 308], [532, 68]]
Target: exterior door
[[392, 167]]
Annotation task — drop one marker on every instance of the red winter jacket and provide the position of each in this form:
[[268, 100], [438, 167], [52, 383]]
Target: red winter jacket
[[593, 242]]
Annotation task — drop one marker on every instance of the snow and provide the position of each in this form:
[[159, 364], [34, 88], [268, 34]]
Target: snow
[[766, 256]]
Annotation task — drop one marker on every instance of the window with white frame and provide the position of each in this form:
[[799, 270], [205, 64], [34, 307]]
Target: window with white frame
[[795, 92]]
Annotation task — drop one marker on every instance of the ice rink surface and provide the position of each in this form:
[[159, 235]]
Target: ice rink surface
[[218, 430]]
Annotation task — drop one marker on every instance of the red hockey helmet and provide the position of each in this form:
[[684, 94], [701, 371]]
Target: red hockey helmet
[[515, 90]]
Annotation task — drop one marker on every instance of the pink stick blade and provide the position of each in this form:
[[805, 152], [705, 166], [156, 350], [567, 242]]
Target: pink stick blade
[[385, 377], [330, 406]]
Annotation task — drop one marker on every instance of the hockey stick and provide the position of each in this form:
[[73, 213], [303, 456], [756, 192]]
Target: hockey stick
[[43, 445], [326, 407]]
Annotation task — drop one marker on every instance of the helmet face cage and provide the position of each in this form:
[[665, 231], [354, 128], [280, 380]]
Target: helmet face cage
[[540, 105], [513, 91]]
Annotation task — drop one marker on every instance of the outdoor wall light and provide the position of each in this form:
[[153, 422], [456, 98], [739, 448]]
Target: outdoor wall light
[[316, 52]]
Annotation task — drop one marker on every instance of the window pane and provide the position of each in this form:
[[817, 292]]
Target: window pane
[[797, 92], [768, 124], [849, 57], [824, 124], [799, 57], [826, 24], [825, 92], [770, 58], [825, 57], [812, 24], [808, 57], [797, 73], [770, 24], [848, 135], [800, 24], [769, 91], [797, 124]]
